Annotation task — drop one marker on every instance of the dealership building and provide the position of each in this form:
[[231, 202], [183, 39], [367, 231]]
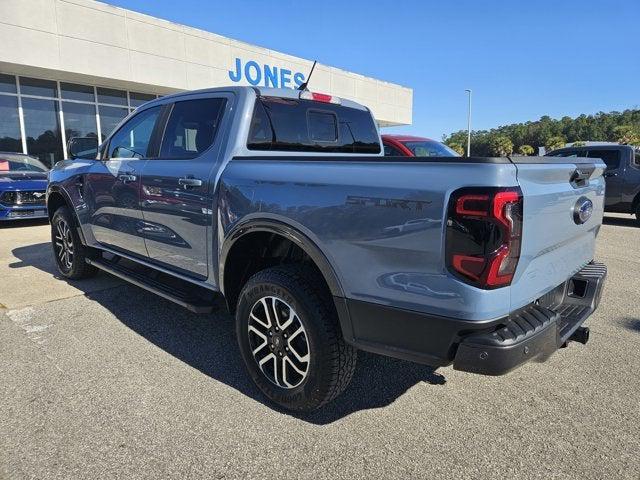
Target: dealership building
[[77, 67]]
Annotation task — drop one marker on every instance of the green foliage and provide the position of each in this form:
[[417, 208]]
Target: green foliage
[[554, 142], [526, 150], [599, 127], [579, 143], [500, 146], [456, 147], [627, 134]]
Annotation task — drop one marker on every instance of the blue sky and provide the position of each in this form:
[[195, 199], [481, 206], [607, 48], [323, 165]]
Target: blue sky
[[523, 59]]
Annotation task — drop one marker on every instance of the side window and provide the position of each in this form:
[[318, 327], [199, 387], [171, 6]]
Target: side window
[[133, 138], [390, 151], [192, 127], [637, 158], [610, 157]]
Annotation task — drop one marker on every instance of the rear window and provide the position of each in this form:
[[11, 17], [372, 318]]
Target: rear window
[[610, 157], [283, 124]]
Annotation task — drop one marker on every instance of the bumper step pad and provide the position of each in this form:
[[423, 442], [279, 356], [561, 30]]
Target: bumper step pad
[[536, 331]]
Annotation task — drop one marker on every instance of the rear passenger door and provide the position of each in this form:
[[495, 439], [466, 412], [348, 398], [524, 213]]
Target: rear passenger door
[[614, 174], [177, 192]]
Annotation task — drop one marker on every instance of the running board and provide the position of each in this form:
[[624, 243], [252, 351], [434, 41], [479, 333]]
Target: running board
[[181, 297]]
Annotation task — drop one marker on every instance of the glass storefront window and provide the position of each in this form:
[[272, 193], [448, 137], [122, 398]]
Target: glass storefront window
[[36, 86], [7, 83], [79, 120], [110, 95], [137, 99], [10, 140], [41, 116], [110, 117], [42, 129], [72, 91]]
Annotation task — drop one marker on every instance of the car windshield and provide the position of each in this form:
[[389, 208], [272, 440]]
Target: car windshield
[[430, 148], [20, 163]]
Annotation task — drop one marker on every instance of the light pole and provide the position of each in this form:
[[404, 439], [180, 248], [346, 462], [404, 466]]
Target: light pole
[[469, 124]]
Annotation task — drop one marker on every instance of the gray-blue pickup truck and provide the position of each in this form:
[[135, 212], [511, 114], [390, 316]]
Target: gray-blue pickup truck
[[282, 202]]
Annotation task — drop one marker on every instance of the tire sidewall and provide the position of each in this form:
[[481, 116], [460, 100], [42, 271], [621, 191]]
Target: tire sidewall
[[63, 214], [311, 392]]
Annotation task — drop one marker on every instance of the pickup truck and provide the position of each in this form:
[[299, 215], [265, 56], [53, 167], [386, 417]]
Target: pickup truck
[[282, 202], [622, 175]]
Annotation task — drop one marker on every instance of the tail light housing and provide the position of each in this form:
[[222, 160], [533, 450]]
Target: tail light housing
[[484, 234]]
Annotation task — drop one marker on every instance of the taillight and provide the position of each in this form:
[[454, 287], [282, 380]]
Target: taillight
[[484, 232], [318, 97]]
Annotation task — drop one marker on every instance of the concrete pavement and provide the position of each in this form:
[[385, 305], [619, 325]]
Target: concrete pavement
[[102, 379]]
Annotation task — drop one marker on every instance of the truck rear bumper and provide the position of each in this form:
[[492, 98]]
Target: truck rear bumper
[[489, 348], [536, 331]]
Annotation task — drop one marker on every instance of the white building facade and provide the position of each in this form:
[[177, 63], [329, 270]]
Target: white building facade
[[77, 67]]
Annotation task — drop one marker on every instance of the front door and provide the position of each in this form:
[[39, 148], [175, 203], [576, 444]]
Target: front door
[[613, 175], [113, 185], [177, 187]]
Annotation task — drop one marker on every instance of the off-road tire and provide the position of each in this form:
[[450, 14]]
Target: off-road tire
[[74, 267], [332, 360]]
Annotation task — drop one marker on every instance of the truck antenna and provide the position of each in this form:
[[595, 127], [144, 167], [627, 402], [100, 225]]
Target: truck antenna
[[303, 85]]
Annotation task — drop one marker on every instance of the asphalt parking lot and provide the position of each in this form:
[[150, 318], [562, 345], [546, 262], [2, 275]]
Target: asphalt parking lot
[[100, 379]]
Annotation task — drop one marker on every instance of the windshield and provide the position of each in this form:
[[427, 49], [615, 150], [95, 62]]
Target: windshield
[[20, 163], [429, 148]]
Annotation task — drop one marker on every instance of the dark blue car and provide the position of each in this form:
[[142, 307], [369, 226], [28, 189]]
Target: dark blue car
[[23, 185]]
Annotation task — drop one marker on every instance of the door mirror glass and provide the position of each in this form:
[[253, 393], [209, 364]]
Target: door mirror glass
[[82, 147]]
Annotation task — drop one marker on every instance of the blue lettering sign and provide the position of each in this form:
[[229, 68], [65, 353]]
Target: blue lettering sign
[[298, 79], [267, 75], [247, 72], [270, 76], [237, 75]]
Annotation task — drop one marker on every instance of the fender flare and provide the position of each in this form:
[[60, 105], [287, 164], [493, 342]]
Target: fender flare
[[289, 232], [67, 199]]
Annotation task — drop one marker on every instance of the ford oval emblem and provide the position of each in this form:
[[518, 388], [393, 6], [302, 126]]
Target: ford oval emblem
[[583, 210]]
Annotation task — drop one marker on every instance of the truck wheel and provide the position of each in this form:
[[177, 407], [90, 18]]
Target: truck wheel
[[290, 339], [68, 250]]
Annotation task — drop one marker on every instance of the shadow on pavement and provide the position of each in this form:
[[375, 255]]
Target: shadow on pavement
[[621, 221], [207, 343], [632, 324]]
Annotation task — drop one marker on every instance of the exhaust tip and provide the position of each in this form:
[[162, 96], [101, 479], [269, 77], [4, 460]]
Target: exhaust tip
[[581, 335]]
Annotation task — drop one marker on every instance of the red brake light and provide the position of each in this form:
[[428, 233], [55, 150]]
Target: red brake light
[[318, 97], [484, 229]]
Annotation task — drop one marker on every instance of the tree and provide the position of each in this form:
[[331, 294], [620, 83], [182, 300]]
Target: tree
[[500, 146], [526, 150], [599, 127], [627, 134], [555, 142], [456, 147], [579, 143]]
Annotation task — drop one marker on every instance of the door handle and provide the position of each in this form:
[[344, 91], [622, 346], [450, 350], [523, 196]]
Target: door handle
[[610, 174], [127, 178], [190, 182]]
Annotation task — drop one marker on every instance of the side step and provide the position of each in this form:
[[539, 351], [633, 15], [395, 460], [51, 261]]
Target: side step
[[181, 296]]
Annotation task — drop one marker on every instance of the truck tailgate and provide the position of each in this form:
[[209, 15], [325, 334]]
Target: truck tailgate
[[555, 245]]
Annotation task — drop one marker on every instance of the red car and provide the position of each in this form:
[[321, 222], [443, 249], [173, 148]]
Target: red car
[[409, 146]]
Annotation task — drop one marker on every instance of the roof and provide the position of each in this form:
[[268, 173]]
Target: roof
[[264, 91], [405, 138]]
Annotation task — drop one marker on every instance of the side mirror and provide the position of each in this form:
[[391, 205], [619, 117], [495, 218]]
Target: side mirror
[[82, 147]]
